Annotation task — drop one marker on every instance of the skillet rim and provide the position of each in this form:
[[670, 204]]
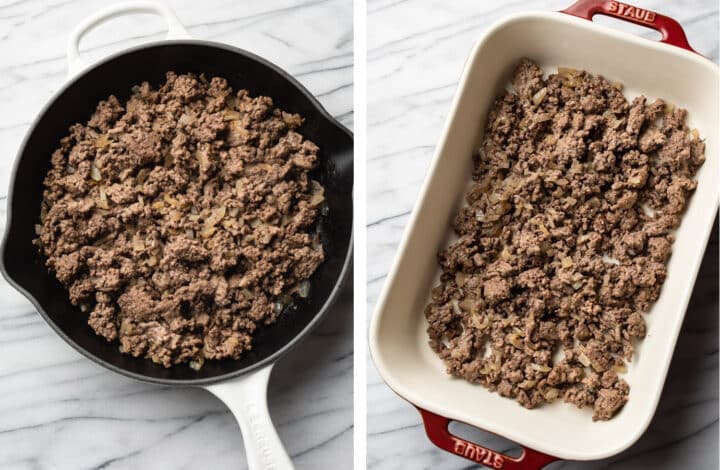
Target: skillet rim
[[267, 361]]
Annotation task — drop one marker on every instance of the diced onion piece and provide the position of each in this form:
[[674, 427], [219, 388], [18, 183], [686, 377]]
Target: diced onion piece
[[610, 260], [527, 384], [70, 169], [38, 229], [566, 262], [239, 187], [552, 394], [230, 115], [540, 367], [170, 200], [185, 118], [247, 293], [278, 308], [497, 360], [480, 321], [216, 215], [125, 174], [233, 211], [95, 173], [255, 223], [141, 176], [620, 368], [515, 340], [304, 289], [138, 243], [542, 117], [237, 134], [157, 205], [539, 96], [618, 85], [152, 261], [584, 360], [207, 232], [460, 279], [102, 201], [318, 193], [43, 211], [456, 307], [197, 363]]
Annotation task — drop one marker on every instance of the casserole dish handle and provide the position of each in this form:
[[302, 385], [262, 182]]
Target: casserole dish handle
[[246, 396], [175, 29], [672, 32], [437, 429]]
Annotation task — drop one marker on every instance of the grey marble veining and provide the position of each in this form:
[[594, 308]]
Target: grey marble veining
[[60, 411], [416, 51]]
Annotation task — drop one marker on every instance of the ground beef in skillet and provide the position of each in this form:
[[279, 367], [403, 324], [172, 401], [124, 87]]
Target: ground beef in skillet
[[563, 243], [184, 219]]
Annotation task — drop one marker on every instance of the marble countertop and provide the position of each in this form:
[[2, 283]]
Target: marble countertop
[[416, 51], [60, 411]]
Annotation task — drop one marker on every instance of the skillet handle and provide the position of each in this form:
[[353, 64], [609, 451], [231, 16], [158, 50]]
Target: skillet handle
[[246, 397], [175, 29], [672, 32], [436, 427]]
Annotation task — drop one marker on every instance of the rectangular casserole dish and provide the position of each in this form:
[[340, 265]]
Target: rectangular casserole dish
[[398, 340]]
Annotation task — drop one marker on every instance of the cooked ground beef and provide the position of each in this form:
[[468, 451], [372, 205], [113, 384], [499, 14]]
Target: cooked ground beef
[[183, 219], [564, 239]]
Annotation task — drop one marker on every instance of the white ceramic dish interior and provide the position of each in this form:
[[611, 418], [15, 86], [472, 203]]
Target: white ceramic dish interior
[[398, 339]]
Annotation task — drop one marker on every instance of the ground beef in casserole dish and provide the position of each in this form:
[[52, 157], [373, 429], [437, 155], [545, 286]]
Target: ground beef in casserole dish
[[184, 219], [564, 239]]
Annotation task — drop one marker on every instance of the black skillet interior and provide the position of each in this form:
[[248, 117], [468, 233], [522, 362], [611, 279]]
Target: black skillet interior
[[24, 268]]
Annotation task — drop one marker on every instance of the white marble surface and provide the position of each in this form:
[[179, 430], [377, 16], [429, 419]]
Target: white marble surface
[[60, 411], [416, 50]]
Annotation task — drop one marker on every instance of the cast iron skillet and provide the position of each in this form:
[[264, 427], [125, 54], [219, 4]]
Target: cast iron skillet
[[75, 102]]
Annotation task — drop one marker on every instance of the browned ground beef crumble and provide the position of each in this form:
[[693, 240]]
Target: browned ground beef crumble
[[184, 219], [564, 240]]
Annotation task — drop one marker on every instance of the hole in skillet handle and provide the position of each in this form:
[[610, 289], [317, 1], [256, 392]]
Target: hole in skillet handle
[[672, 32], [438, 431]]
